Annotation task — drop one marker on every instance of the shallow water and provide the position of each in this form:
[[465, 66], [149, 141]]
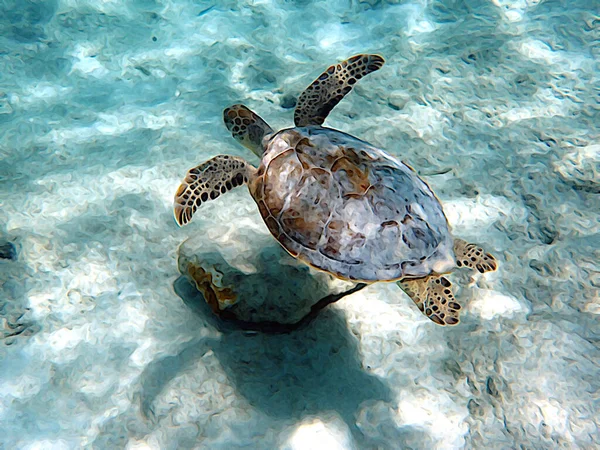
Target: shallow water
[[105, 105]]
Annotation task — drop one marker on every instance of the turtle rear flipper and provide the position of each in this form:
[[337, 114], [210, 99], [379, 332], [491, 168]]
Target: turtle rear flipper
[[207, 182], [247, 128], [433, 295], [473, 257], [317, 101]]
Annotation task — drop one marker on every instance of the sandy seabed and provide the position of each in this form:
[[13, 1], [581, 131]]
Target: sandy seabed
[[105, 105]]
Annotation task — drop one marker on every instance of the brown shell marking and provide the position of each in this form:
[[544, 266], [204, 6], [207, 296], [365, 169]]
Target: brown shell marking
[[355, 178], [296, 217]]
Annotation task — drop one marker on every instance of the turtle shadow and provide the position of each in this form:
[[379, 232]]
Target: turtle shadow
[[309, 369], [313, 371]]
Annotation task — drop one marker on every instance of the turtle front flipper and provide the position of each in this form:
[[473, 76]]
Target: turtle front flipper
[[433, 295], [473, 257], [317, 101], [247, 128], [207, 181]]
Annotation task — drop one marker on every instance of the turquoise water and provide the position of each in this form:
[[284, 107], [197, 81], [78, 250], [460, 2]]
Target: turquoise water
[[105, 105]]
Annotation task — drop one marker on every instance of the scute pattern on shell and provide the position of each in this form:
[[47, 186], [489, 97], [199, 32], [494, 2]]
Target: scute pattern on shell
[[346, 207]]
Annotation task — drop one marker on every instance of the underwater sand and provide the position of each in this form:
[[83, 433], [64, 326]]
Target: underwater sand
[[105, 105]]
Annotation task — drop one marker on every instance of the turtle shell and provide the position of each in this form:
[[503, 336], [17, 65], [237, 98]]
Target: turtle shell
[[346, 207]]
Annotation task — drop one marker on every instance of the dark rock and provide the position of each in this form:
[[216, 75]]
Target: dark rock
[[475, 409], [8, 251], [288, 102], [492, 388]]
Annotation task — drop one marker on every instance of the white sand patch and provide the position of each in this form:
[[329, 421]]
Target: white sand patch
[[48, 444], [481, 212], [436, 413], [489, 304], [424, 122], [316, 435], [23, 387], [40, 92], [86, 62], [142, 444], [112, 125]]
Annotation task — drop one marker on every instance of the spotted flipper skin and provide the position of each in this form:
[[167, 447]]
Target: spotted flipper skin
[[207, 182], [247, 128], [434, 298], [317, 101], [473, 257]]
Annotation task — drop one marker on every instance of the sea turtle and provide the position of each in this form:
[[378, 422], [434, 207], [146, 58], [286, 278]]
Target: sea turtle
[[338, 203]]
